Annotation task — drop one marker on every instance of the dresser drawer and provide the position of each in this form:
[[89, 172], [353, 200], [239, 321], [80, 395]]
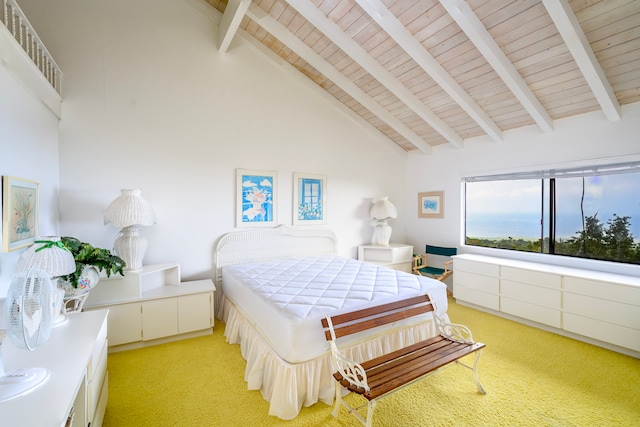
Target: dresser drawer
[[603, 331], [531, 277], [608, 311], [537, 313], [99, 349], [476, 267], [96, 382], [532, 294], [476, 297], [603, 290], [476, 281], [405, 266]]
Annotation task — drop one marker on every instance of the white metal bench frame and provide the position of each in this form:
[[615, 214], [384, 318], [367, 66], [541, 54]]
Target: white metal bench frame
[[356, 376]]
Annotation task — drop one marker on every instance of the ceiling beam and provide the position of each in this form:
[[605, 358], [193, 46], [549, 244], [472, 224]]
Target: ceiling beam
[[385, 19], [575, 39], [484, 42], [362, 57], [251, 42], [329, 71], [230, 22]]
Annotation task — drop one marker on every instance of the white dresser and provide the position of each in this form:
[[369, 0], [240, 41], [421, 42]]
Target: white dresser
[[153, 306], [596, 307], [395, 255], [76, 392]]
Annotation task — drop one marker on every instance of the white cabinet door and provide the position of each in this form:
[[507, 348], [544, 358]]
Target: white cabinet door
[[124, 323], [159, 318], [195, 312]]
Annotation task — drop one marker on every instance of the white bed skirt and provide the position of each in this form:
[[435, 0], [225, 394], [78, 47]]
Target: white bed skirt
[[286, 386]]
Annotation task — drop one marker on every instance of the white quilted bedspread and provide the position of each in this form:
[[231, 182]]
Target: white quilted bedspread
[[273, 310], [311, 287]]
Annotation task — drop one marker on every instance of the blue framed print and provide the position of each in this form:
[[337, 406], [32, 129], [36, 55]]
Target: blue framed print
[[256, 198], [309, 199], [430, 205]]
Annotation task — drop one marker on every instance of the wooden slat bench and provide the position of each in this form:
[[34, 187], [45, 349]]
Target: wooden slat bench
[[381, 376]]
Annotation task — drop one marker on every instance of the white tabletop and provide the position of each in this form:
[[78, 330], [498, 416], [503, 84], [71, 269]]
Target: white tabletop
[[66, 355]]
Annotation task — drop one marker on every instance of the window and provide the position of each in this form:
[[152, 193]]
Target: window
[[587, 212]]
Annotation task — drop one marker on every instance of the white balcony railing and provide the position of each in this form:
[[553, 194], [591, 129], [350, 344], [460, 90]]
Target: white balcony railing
[[18, 25]]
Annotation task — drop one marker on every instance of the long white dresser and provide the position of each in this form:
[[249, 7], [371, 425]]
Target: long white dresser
[[596, 307], [76, 392]]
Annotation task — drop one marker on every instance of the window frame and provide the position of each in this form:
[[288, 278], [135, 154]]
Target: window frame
[[588, 169]]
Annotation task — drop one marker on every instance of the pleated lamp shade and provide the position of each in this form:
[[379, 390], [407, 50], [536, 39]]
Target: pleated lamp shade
[[49, 254], [129, 209], [383, 209]]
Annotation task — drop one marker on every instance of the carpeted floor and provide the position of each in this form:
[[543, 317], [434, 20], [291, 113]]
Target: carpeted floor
[[532, 378]]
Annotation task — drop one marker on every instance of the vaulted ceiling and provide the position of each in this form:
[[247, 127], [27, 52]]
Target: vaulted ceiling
[[429, 72]]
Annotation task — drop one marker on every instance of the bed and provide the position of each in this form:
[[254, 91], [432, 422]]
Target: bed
[[274, 286]]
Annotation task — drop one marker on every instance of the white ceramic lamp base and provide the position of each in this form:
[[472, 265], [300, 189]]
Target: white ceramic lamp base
[[381, 234]]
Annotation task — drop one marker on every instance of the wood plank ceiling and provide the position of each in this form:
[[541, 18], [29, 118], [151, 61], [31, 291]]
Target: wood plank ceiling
[[429, 72]]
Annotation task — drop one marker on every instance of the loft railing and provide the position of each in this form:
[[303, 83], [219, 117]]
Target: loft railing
[[17, 23]]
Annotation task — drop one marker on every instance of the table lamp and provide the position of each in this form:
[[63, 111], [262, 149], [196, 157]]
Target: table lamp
[[129, 211], [380, 213]]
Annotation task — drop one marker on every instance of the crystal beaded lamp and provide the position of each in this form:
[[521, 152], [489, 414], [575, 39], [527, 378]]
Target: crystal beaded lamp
[[129, 211], [380, 213]]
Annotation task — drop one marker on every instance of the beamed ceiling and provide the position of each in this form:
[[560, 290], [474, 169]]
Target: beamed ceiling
[[429, 72]]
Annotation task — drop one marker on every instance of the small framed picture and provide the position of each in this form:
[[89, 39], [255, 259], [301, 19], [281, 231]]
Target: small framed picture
[[256, 194], [20, 206], [431, 204], [309, 199]]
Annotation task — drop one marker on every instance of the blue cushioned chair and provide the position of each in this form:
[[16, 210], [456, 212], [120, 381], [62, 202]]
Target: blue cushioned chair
[[421, 262]]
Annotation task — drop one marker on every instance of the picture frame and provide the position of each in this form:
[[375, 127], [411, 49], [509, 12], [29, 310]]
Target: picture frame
[[431, 204], [20, 212], [256, 198], [309, 199]]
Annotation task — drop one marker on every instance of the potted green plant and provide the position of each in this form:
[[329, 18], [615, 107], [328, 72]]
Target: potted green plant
[[89, 262]]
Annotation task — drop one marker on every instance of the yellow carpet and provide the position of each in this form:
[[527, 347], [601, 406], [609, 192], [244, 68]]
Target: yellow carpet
[[532, 378]]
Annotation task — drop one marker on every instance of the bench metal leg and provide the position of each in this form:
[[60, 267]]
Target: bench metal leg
[[371, 406], [370, 409], [474, 368], [336, 406], [475, 372]]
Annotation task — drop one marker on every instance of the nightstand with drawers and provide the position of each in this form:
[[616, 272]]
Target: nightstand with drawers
[[395, 255]]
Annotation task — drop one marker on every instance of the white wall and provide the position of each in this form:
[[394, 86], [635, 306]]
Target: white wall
[[586, 139], [28, 150], [150, 103]]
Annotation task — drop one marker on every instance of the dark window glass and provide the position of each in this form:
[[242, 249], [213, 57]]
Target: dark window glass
[[587, 215]]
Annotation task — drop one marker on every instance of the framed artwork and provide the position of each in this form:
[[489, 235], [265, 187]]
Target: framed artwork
[[309, 199], [256, 198], [19, 212], [431, 204]]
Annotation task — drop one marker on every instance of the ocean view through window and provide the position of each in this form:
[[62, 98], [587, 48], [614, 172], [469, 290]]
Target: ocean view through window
[[588, 213]]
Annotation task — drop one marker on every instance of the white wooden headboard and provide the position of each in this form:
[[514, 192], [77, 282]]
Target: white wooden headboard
[[264, 244]]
